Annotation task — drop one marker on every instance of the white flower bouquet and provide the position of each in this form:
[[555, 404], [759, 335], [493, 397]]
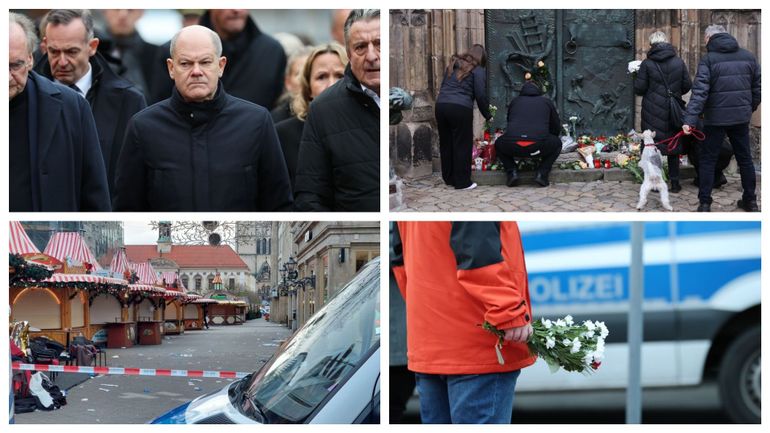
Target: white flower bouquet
[[633, 66], [563, 343]]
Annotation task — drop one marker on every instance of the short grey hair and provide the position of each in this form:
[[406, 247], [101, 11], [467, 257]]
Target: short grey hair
[[65, 16], [658, 37], [359, 15], [214, 41], [27, 26], [714, 29]]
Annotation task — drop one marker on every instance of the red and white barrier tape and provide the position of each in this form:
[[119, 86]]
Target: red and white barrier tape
[[128, 371]]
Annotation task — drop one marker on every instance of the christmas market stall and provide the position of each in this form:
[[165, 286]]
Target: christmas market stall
[[145, 300], [63, 305], [176, 297], [229, 309], [195, 311]]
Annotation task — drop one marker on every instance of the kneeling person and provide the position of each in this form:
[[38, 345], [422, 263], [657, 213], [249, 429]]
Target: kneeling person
[[532, 131], [201, 149]]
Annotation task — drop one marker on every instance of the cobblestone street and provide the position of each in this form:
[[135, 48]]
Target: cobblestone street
[[429, 194]]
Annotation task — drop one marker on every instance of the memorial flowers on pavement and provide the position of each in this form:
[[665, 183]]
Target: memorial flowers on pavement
[[562, 343]]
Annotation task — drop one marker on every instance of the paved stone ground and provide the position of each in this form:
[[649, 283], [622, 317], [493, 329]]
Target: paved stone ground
[[429, 194], [139, 399]]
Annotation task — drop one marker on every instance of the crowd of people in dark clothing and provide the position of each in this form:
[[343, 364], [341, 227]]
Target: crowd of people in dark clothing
[[102, 120], [724, 94]]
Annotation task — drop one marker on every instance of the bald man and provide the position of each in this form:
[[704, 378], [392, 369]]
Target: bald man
[[201, 149]]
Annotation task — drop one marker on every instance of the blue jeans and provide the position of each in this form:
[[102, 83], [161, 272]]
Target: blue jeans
[[739, 139], [466, 398]]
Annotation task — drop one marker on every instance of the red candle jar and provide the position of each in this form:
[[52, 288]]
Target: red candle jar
[[607, 163], [486, 136], [597, 163]]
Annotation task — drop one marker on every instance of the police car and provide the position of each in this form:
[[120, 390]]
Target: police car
[[701, 303], [327, 372]]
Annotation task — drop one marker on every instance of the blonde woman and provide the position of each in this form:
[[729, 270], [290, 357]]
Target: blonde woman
[[325, 65]]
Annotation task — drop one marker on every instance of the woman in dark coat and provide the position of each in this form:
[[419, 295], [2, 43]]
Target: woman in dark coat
[[465, 80], [661, 61], [325, 65]]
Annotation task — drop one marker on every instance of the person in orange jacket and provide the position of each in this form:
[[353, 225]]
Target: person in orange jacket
[[453, 277]]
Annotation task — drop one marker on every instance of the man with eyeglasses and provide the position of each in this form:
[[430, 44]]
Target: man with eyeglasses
[[71, 59], [55, 160], [339, 157]]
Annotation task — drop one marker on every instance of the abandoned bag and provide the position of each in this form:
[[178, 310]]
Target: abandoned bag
[[48, 394], [24, 405]]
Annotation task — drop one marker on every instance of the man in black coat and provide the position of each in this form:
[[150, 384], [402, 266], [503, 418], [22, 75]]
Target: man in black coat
[[661, 71], [339, 156], [55, 161], [122, 42], [727, 90], [532, 131], [256, 62], [201, 149], [72, 60]]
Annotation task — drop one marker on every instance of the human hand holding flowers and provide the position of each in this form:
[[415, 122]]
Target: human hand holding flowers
[[562, 343]]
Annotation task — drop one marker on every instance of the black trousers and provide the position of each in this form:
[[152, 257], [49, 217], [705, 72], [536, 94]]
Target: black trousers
[[739, 139], [547, 149], [455, 136]]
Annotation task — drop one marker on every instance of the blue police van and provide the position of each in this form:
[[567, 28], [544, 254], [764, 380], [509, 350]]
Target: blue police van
[[701, 306]]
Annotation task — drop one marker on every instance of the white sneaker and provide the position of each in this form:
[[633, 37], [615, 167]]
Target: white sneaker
[[473, 185]]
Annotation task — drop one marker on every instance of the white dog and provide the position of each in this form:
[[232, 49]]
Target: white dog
[[652, 165]]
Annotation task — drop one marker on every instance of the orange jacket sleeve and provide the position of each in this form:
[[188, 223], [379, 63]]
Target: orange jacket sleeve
[[490, 266]]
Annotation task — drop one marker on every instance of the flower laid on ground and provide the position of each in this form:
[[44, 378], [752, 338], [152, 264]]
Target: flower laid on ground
[[621, 160], [563, 343], [633, 66]]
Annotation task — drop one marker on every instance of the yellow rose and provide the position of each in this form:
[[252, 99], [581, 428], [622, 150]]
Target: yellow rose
[[540, 64], [527, 76]]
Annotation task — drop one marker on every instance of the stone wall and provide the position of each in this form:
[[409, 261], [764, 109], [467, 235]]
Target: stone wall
[[421, 42]]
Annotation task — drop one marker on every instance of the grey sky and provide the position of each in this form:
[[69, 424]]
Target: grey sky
[[138, 233]]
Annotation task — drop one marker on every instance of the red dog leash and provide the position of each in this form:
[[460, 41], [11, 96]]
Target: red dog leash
[[673, 142]]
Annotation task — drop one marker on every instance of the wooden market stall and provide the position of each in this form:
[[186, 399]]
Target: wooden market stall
[[60, 307], [176, 297], [105, 297], [145, 302]]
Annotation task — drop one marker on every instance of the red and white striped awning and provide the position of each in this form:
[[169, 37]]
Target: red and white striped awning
[[71, 245], [119, 264], [83, 278], [145, 272], [170, 278], [146, 288], [19, 241]]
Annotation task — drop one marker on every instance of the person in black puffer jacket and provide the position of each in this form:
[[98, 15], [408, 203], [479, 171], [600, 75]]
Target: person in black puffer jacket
[[662, 62], [726, 91], [338, 168], [532, 131]]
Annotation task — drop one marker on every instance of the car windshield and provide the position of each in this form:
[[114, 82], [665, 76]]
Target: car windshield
[[321, 356]]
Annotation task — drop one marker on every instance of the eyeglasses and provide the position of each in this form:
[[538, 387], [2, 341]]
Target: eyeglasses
[[17, 66]]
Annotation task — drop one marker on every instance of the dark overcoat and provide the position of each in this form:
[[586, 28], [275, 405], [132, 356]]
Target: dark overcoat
[[113, 101], [68, 170], [339, 155], [219, 155]]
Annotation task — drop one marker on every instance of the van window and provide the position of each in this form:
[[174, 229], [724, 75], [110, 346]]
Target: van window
[[321, 356]]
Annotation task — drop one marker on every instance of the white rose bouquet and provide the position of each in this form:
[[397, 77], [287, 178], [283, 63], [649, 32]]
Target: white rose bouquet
[[563, 343]]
